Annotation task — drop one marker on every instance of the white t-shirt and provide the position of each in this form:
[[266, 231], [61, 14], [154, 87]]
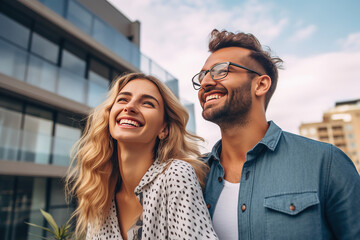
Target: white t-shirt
[[225, 219]]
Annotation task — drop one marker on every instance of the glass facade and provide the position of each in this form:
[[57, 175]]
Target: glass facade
[[22, 197], [105, 34], [35, 52], [32, 133]]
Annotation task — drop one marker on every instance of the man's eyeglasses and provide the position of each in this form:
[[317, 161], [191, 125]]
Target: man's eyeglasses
[[217, 72]]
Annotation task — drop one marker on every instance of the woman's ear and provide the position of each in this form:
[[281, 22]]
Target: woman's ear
[[263, 84], [164, 132]]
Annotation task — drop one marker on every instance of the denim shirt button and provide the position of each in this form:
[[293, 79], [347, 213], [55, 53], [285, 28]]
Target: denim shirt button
[[243, 208], [208, 205], [220, 179], [292, 207]]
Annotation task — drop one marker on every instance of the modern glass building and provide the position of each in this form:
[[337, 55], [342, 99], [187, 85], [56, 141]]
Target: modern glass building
[[57, 60]]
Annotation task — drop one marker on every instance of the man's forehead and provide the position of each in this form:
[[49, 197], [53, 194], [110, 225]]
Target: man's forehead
[[229, 54]]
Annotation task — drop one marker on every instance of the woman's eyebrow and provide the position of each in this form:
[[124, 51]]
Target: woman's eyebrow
[[142, 96], [151, 97]]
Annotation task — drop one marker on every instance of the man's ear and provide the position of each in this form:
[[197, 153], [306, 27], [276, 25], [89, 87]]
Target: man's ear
[[263, 84]]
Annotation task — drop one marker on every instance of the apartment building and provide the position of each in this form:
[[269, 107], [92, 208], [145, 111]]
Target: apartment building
[[57, 60], [341, 127]]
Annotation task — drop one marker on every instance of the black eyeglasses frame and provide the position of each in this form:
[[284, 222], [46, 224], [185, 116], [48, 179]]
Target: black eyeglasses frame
[[197, 86]]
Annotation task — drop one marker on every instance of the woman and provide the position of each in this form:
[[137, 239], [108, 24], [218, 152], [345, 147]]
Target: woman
[[128, 179]]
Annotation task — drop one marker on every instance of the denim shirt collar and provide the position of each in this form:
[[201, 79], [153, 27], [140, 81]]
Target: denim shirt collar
[[270, 141]]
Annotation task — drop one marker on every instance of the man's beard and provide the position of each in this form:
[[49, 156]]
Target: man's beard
[[235, 110]]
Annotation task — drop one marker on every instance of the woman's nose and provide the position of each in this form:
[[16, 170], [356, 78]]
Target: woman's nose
[[130, 108]]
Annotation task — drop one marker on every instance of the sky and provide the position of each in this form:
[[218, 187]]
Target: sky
[[319, 42]]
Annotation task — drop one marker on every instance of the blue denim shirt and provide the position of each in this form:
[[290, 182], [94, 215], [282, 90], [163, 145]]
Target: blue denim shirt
[[292, 188]]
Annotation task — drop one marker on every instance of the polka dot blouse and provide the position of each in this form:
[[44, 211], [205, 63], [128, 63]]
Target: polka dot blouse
[[173, 207]]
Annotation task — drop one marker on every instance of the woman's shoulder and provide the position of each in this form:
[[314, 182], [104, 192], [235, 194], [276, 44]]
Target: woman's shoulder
[[180, 172]]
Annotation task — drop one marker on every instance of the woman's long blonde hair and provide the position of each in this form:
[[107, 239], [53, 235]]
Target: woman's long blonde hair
[[94, 172]]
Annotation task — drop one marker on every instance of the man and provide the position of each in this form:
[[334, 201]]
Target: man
[[265, 183]]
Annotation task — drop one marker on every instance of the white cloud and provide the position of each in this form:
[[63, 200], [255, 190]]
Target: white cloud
[[175, 35], [303, 33], [352, 42], [310, 86]]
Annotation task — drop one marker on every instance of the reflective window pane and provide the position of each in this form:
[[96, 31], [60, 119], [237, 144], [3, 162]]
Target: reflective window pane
[[22, 207], [38, 201], [102, 33], [57, 6], [10, 124], [14, 31], [12, 60], [73, 63], [79, 16], [42, 74], [44, 48], [72, 86], [58, 208], [65, 138], [98, 83], [6, 203], [36, 144]]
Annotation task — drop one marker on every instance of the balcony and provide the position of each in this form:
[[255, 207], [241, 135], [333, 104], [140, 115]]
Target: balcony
[[108, 36], [27, 67]]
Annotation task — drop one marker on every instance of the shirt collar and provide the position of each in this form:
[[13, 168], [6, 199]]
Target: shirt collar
[[155, 169], [270, 140]]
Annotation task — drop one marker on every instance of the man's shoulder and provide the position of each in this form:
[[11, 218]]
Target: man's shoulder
[[298, 141]]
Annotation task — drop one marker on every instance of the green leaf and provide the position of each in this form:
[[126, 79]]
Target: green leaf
[[51, 221], [41, 227]]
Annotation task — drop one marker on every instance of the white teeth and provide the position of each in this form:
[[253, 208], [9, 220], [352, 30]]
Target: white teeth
[[129, 122], [213, 96]]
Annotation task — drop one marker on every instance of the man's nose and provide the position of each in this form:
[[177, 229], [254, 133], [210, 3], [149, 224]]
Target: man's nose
[[207, 81]]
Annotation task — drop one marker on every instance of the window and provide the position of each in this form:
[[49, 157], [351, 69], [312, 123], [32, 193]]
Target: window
[[37, 135], [72, 83], [12, 60], [42, 74], [44, 48], [98, 82], [21, 201], [73, 63], [57, 205], [10, 125], [14, 31], [322, 129], [80, 17], [66, 134], [57, 6]]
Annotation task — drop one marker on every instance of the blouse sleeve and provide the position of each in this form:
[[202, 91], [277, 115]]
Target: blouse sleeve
[[188, 216]]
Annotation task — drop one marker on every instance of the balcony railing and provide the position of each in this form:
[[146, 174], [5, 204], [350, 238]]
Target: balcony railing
[[108, 36], [36, 71]]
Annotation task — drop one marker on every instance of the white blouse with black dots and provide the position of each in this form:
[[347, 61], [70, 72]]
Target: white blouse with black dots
[[173, 207]]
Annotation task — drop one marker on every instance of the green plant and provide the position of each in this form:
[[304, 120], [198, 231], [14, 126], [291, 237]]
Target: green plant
[[59, 233]]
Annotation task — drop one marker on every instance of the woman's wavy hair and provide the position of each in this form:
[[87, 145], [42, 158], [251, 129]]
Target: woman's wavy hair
[[94, 171]]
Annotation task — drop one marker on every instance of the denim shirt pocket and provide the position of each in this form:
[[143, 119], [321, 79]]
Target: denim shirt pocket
[[293, 216]]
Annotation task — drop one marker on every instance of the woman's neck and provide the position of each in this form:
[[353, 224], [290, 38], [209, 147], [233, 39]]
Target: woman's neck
[[133, 164]]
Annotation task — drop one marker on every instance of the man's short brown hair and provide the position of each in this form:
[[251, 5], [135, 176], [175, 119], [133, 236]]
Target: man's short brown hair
[[224, 39]]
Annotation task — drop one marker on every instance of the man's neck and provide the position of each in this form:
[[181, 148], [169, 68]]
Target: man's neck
[[236, 142]]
